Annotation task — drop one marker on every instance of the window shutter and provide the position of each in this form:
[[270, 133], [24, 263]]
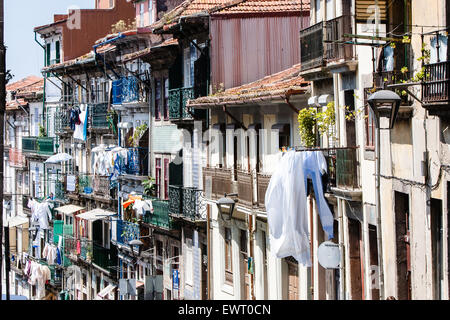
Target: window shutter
[[58, 52], [365, 10]]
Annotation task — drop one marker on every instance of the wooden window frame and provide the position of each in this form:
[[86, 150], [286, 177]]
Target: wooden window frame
[[158, 98], [369, 126], [228, 263], [158, 172], [165, 90], [166, 178]]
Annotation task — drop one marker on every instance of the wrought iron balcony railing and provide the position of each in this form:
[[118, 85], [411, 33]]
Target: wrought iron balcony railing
[[187, 202], [322, 42], [137, 163], [436, 84], [127, 231], [177, 103], [62, 120], [97, 116], [39, 145], [128, 89]]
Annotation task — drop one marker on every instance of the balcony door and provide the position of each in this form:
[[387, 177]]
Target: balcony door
[[402, 229]]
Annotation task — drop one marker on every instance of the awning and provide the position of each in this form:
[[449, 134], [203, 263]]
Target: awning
[[17, 221], [105, 291], [96, 214], [69, 209]]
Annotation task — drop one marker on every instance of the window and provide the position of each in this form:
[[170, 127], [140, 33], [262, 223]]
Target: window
[[158, 99], [158, 177], [150, 12], [124, 270], [48, 52], [370, 128], [58, 52], [141, 16], [166, 178], [159, 248], [243, 242], [166, 98], [228, 258]]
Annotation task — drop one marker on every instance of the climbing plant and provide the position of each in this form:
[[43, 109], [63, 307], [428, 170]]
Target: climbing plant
[[306, 125], [137, 134], [310, 118], [149, 187]]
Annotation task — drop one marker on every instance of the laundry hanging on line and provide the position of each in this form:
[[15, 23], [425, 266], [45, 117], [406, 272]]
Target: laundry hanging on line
[[286, 204]]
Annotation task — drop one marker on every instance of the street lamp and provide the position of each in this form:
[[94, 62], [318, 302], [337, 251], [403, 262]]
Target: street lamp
[[226, 205], [384, 103], [136, 243]]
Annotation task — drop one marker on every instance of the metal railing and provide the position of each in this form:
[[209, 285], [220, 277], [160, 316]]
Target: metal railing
[[311, 46], [187, 202], [137, 163], [347, 168], [101, 185], [128, 89], [335, 30], [245, 187], [262, 182], [160, 216], [97, 116], [177, 103], [127, 231], [219, 180], [40, 145], [62, 120], [315, 52], [436, 83], [85, 184], [103, 257]]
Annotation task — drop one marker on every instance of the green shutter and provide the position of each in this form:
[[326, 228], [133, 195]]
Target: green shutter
[[58, 54], [47, 51]]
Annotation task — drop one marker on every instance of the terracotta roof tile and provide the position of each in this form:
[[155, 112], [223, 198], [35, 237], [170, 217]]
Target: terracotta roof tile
[[276, 85], [266, 6], [193, 7], [146, 51], [23, 83]]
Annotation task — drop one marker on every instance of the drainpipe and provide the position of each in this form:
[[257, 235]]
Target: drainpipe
[[45, 78]]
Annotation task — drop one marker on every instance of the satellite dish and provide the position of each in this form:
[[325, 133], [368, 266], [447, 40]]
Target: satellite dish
[[329, 255]]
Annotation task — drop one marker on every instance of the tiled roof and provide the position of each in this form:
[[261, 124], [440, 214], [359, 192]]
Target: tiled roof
[[278, 85], [83, 59], [23, 83], [196, 7], [266, 6], [14, 105], [146, 51]]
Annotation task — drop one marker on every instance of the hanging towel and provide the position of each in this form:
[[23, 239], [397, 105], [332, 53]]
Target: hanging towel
[[81, 128], [287, 217], [58, 256], [78, 247]]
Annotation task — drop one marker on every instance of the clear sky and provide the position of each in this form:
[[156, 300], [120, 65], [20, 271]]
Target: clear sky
[[24, 56]]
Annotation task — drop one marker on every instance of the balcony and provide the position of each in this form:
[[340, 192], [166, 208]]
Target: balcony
[[245, 188], [321, 43], [219, 180], [160, 216], [101, 185], [62, 120], [128, 90], [104, 258], [78, 249], [38, 145], [177, 103], [435, 88], [347, 173], [127, 231], [97, 116], [85, 184], [137, 162], [16, 158], [186, 202], [262, 182], [311, 45]]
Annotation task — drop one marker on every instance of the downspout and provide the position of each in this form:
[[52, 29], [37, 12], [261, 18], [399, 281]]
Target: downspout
[[45, 78]]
